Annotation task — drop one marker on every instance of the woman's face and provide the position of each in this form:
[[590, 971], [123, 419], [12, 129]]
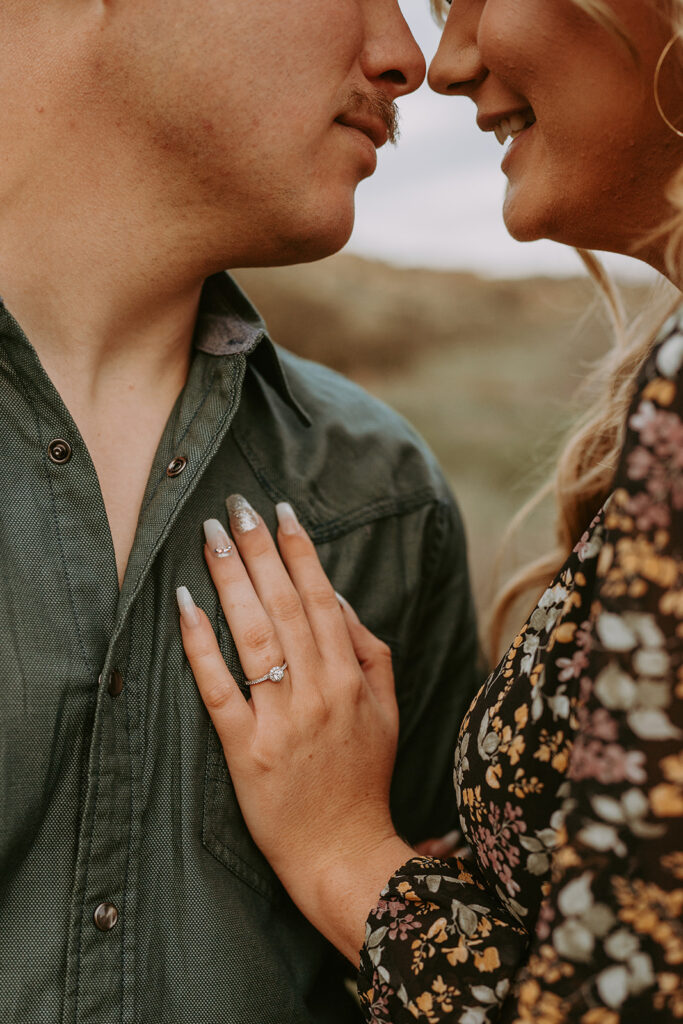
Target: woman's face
[[591, 157]]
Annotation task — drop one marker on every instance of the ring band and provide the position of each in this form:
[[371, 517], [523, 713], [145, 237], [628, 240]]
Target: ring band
[[275, 675]]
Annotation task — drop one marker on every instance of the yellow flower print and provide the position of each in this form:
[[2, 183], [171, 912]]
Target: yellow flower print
[[673, 862], [564, 633], [637, 588], [561, 760], [522, 715], [666, 800], [671, 603], [672, 767], [639, 558], [600, 1015], [660, 391], [493, 773], [650, 910], [547, 965], [407, 892], [425, 1004], [521, 785], [669, 995], [457, 954], [488, 960], [540, 1007], [437, 932]]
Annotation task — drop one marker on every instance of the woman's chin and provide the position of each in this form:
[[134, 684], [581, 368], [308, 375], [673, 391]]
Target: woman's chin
[[522, 224], [527, 219]]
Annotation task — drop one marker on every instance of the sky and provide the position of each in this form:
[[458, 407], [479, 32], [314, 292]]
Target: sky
[[435, 199]]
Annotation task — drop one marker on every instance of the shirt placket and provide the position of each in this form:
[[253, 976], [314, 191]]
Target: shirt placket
[[103, 962]]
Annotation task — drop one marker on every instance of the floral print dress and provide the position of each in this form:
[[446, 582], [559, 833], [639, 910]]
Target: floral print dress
[[569, 782]]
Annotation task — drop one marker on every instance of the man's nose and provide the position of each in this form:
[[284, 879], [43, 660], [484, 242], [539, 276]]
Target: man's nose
[[457, 67], [391, 58]]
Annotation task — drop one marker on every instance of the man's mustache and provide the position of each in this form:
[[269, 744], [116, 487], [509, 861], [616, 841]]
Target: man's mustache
[[377, 104]]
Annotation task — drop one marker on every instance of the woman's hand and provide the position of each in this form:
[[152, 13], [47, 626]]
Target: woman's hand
[[311, 756]]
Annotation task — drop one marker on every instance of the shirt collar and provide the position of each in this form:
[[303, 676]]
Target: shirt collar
[[228, 324]]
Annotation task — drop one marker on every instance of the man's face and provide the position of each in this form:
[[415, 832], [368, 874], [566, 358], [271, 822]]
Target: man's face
[[235, 107]]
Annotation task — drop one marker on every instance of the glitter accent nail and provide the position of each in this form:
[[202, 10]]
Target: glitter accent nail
[[217, 539], [242, 516]]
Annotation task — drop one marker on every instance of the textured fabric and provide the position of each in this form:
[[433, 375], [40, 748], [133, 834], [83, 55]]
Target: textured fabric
[[569, 780], [127, 799]]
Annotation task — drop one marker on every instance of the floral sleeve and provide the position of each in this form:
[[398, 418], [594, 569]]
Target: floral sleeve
[[436, 942], [609, 940], [607, 945]]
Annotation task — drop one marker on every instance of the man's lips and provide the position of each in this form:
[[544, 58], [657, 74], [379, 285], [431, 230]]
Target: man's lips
[[374, 128]]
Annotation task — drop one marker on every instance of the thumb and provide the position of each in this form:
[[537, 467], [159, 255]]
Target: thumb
[[374, 656]]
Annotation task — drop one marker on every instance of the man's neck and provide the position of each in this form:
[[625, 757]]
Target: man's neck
[[113, 329]]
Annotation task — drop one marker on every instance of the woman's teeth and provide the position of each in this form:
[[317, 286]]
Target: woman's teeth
[[511, 127]]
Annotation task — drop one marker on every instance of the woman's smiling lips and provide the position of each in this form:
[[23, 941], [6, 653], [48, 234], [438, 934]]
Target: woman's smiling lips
[[509, 124], [506, 124]]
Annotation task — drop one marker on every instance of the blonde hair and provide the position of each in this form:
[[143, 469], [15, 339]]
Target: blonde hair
[[584, 471]]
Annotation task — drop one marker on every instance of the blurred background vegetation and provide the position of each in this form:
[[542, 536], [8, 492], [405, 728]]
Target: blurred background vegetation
[[488, 371]]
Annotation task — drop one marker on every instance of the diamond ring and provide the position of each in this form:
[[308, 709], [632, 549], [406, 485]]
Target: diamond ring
[[275, 675]]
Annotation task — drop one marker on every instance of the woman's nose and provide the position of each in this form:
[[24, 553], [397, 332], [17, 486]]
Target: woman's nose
[[457, 67]]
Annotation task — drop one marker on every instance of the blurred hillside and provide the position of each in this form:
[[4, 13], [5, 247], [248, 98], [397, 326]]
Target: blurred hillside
[[487, 371]]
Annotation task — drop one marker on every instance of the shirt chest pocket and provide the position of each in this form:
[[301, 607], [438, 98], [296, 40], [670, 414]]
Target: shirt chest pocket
[[224, 833]]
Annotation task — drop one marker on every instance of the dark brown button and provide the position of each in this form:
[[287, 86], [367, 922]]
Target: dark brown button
[[105, 916], [176, 466], [59, 451], [115, 683]]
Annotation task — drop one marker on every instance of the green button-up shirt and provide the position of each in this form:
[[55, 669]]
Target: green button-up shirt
[[113, 786]]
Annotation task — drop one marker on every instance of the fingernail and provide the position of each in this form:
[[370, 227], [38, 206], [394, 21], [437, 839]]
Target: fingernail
[[242, 516], [217, 539], [286, 517], [188, 609], [351, 611]]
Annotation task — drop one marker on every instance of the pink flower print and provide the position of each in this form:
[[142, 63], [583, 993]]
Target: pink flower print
[[639, 462], [650, 514], [505, 875], [571, 668], [602, 725], [393, 907], [608, 763], [546, 916], [402, 926]]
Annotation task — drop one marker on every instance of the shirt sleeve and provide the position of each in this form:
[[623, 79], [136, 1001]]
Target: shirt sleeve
[[435, 943], [608, 943], [609, 940]]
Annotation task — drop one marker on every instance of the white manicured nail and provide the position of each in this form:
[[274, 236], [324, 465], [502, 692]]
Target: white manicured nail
[[188, 609], [286, 517], [217, 539]]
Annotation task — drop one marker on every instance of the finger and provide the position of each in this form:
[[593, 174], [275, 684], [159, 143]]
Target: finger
[[274, 588], [373, 654], [231, 715], [258, 645], [314, 589]]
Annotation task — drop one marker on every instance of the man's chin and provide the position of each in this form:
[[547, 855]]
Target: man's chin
[[313, 241]]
